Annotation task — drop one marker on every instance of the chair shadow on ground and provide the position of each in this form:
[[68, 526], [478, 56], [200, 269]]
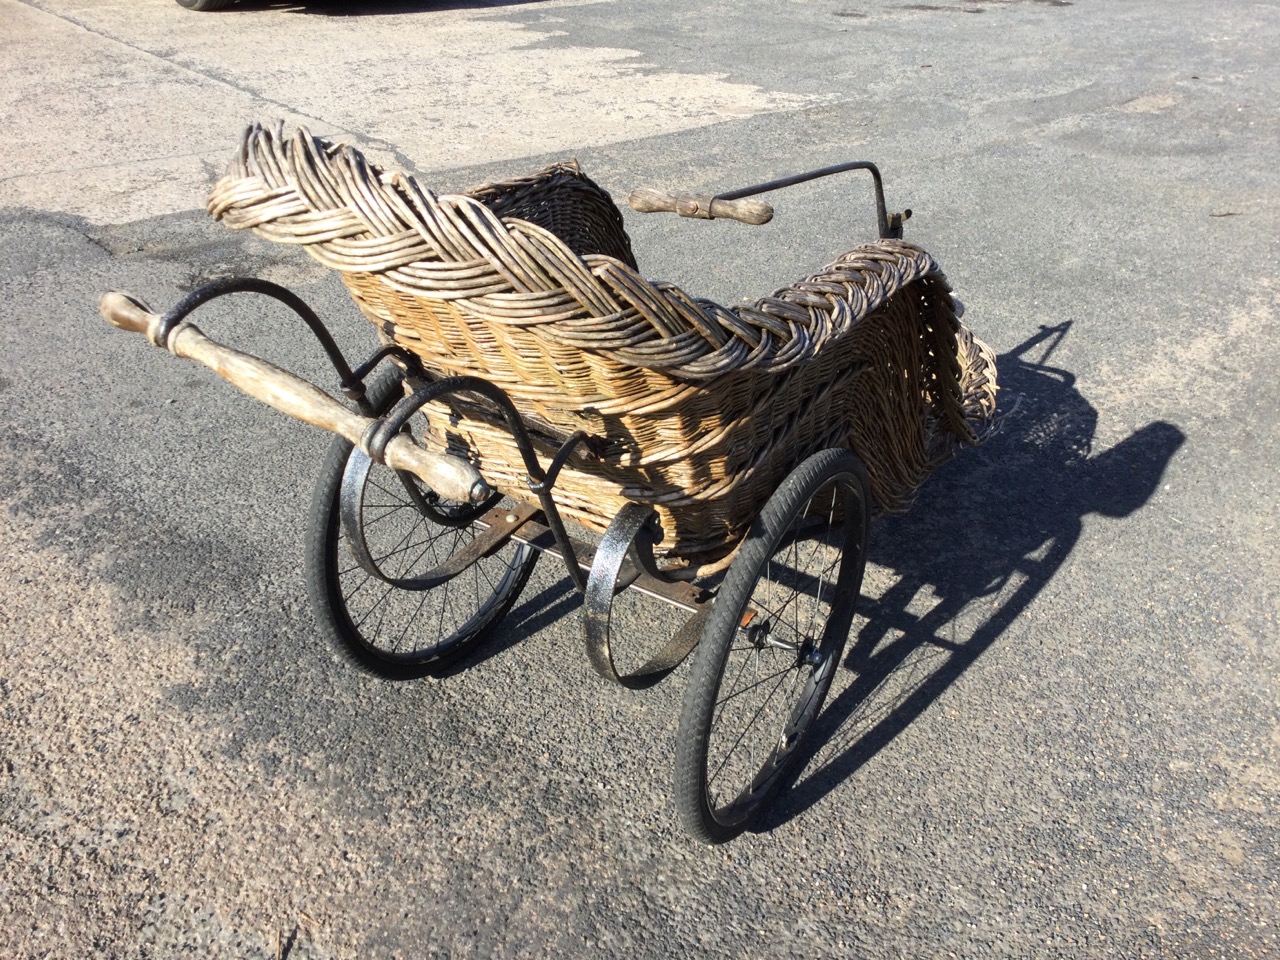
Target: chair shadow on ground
[[366, 8], [987, 534], [948, 578]]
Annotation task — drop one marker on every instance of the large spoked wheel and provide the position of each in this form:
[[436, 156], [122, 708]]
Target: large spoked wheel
[[384, 622], [771, 646]]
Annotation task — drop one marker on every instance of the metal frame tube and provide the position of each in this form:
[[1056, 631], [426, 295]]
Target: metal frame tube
[[889, 227]]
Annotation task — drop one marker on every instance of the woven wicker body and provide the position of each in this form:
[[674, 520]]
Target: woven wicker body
[[700, 410]]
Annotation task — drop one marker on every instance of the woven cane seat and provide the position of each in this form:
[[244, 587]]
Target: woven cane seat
[[698, 409]]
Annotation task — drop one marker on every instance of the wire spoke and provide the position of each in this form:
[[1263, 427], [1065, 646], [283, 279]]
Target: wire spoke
[[409, 620], [399, 543], [390, 587], [734, 746], [811, 578], [388, 510], [756, 683], [393, 494], [717, 713], [484, 570]]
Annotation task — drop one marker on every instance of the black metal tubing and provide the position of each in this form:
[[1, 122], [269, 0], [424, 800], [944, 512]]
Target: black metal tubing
[[351, 383], [558, 461], [540, 481], [890, 226], [366, 368]]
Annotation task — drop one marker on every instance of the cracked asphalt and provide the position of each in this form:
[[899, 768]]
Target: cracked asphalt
[[1055, 732]]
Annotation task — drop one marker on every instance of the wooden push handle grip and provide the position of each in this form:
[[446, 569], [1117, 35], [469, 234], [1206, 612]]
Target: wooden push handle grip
[[450, 477], [700, 206]]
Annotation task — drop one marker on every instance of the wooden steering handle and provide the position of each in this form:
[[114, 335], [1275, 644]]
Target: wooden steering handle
[[699, 206], [451, 477]]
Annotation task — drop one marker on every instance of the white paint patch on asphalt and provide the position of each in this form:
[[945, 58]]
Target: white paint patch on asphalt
[[115, 117]]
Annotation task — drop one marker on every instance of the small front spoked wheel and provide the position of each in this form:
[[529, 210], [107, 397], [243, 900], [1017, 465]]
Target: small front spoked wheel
[[385, 623], [772, 645]]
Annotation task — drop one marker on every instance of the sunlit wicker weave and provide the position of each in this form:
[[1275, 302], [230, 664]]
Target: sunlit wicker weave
[[531, 284]]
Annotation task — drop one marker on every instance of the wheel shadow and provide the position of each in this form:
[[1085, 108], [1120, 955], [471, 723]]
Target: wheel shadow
[[532, 614], [986, 536]]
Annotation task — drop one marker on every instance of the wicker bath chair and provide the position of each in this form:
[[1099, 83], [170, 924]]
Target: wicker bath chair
[[697, 409], [529, 370]]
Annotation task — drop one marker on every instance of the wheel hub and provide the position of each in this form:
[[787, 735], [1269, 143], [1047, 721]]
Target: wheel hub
[[760, 636]]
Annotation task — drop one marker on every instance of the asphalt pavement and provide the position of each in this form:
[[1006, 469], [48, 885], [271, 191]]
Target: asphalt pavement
[[1055, 732]]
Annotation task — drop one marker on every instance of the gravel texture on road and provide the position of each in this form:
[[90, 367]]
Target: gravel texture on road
[[1055, 730]]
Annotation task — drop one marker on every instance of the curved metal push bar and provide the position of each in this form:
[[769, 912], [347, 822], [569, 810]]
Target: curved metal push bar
[[350, 381]]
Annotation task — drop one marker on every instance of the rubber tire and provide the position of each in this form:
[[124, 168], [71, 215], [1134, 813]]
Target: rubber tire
[[205, 4], [324, 551], [692, 791]]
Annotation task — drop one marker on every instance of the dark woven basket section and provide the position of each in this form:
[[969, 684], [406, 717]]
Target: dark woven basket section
[[699, 409]]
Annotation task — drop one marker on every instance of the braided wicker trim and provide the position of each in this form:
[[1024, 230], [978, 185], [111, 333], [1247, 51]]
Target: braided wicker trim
[[483, 252]]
